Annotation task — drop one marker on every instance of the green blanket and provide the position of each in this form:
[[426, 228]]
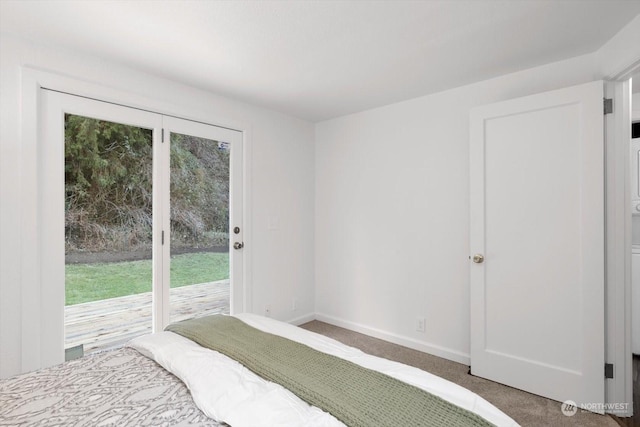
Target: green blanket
[[355, 395]]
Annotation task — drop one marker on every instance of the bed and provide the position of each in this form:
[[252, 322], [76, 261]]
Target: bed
[[168, 379]]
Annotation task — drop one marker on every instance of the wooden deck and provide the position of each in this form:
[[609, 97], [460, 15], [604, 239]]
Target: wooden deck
[[110, 323]]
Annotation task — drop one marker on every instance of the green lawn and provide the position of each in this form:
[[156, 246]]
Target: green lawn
[[93, 282]]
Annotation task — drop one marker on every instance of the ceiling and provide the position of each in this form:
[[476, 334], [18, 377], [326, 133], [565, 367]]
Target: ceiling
[[322, 59]]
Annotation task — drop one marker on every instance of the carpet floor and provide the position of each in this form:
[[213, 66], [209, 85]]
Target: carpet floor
[[525, 408]]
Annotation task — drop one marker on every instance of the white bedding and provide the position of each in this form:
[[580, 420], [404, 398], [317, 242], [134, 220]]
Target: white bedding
[[226, 391]]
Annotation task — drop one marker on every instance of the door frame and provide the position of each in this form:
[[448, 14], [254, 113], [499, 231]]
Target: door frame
[[618, 389], [33, 324]]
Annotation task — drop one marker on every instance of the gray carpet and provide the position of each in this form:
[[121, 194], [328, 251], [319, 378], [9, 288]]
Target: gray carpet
[[525, 408]]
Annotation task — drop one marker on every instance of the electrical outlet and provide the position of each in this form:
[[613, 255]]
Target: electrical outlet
[[420, 324], [267, 310]]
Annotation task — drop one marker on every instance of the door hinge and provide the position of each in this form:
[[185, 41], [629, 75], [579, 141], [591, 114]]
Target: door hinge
[[162, 238], [162, 134], [608, 105], [608, 370]]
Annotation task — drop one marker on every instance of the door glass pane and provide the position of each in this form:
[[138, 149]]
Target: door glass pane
[[108, 220], [199, 200]]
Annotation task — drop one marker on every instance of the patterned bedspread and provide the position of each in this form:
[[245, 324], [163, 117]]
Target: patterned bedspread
[[115, 388]]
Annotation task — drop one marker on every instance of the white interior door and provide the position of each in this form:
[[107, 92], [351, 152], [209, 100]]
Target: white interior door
[[537, 219]]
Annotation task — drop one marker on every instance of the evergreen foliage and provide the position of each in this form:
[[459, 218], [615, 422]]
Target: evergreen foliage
[[108, 187], [199, 190]]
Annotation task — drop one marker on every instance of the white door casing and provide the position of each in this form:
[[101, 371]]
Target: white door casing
[[537, 216]]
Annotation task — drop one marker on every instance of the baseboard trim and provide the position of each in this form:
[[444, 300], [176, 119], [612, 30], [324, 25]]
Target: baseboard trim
[[302, 319], [433, 349]]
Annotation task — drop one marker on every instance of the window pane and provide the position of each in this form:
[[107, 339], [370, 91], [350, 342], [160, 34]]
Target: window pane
[[199, 227], [108, 220]]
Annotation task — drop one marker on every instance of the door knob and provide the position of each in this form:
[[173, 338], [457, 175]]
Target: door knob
[[238, 245], [478, 258]]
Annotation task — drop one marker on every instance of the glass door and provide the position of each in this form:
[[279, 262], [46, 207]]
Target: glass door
[[137, 216], [205, 217], [99, 167], [108, 185]]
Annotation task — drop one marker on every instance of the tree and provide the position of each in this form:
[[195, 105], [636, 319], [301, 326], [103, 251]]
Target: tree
[[108, 186]]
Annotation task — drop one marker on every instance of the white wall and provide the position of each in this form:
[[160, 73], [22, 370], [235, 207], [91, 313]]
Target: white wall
[[392, 196], [620, 53], [281, 181], [392, 219]]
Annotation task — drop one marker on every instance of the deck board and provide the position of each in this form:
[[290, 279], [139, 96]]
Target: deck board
[[110, 323]]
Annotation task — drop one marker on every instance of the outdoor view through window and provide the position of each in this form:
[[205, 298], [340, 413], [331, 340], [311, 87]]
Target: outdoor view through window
[[109, 228]]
